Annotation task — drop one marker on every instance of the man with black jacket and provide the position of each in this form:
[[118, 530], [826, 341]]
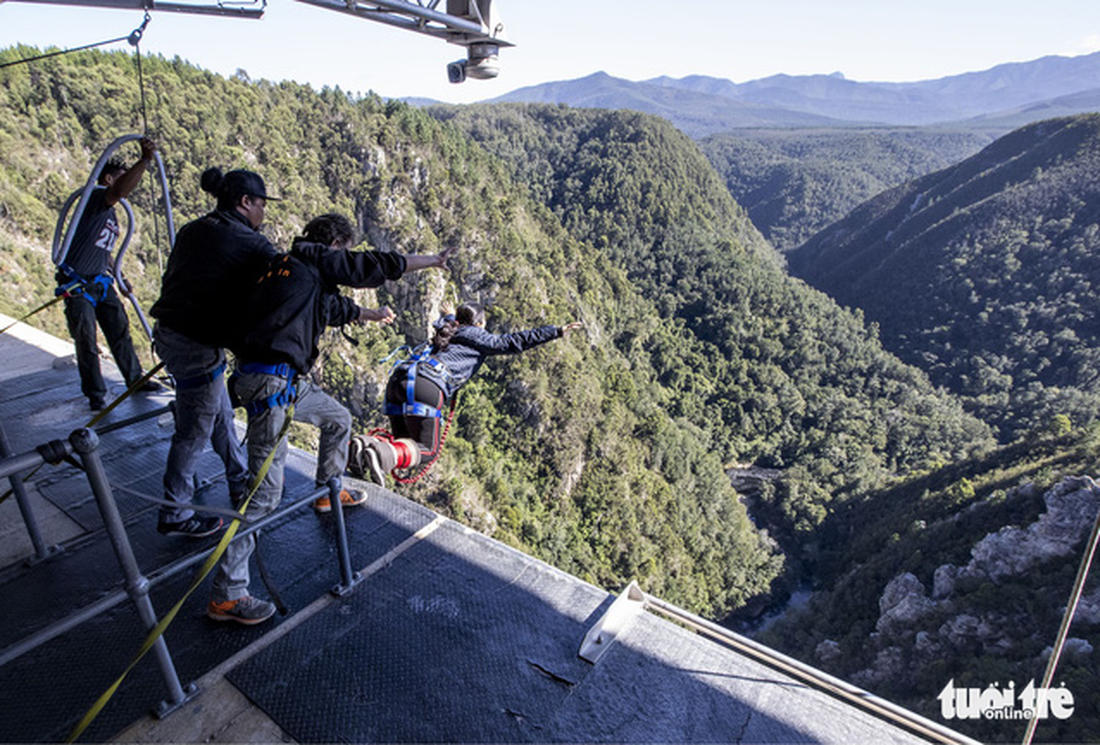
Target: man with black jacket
[[296, 299], [215, 261]]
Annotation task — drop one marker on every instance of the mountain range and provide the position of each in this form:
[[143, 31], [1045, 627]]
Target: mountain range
[[795, 182], [1004, 96], [609, 453]]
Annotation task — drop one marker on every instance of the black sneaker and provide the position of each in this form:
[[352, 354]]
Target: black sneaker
[[96, 404], [193, 527]]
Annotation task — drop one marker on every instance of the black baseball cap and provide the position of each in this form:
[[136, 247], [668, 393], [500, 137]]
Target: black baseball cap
[[240, 181]]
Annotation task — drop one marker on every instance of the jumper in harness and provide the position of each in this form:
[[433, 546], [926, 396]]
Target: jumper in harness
[[401, 452], [411, 407]]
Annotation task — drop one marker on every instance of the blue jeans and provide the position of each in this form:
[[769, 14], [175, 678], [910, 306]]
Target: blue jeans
[[313, 406], [203, 414]]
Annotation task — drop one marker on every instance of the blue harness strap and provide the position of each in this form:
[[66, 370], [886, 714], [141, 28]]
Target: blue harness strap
[[284, 397], [79, 286], [412, 407], [283, 370], [196, 381]]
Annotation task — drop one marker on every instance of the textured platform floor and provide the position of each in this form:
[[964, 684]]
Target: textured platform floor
[[461, 639], [448, 637]]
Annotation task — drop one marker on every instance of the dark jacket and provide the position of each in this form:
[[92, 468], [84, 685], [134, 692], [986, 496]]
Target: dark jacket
[[212, 268], [299, 296], [471, 345]]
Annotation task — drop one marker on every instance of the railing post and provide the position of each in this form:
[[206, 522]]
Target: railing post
[[86, 443], [348, 578], [41, 551]]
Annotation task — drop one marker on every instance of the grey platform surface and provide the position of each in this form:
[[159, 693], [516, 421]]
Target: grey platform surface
[[455, 638], [462, 639]]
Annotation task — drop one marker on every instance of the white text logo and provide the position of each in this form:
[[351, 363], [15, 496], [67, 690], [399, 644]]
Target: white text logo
[[993, 702]]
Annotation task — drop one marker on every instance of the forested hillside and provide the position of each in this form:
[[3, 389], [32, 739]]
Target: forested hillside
[[567, 451], [776, 373], [604, 453], [985, 274], [963, 575], [796, 182]]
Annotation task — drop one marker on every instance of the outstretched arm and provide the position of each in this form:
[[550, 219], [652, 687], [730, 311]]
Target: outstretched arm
[[415, 262], [121, 187], [514, 342]]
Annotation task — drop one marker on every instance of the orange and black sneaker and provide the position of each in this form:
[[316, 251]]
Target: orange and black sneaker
[[348, 498], [247, 610]]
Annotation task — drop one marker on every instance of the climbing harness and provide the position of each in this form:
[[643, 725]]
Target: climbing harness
[[419, 356], [92, 289], [285, 397], [63, 236], [197, 381], [65, 230]]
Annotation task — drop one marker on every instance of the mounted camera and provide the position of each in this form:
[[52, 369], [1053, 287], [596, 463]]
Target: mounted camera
[[482, 63]]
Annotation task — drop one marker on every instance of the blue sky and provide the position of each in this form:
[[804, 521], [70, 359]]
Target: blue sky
[[881, 40]]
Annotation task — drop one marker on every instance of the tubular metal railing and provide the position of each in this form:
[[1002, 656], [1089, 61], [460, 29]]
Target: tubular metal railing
[[84, 443]]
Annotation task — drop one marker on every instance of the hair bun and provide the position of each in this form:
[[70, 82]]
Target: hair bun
[[211, 180]]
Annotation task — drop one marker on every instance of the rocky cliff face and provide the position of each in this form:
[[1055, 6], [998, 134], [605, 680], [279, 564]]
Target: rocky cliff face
[[917, 625]]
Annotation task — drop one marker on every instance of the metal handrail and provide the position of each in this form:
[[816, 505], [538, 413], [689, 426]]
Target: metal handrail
[[41, 551], [63, 237], [85, 442], [809, 675]]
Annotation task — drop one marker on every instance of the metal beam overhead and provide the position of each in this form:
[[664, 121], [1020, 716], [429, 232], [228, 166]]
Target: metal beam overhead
[[248, 9]]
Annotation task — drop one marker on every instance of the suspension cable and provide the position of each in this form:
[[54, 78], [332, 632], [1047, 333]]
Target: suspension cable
[[134, 39], [1071, 609], [128, 38]]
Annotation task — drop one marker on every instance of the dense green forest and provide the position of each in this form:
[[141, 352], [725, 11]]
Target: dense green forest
[[795, 182], [983, 274], [865, 533], [605, 453], [776, 373], [962, 574], [701, 351], [567, 451]]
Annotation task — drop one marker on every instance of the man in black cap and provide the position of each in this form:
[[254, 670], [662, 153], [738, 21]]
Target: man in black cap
[[215, 261], [89, 261]]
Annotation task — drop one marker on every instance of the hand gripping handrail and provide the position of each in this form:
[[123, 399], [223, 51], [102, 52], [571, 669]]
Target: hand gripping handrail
[[63, 236]]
